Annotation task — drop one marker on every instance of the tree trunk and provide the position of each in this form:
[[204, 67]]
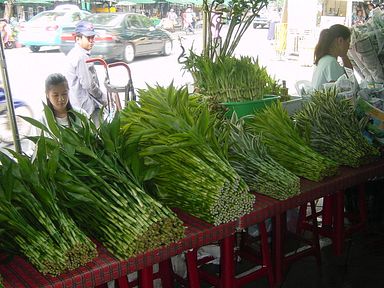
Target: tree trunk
[[8, 11]]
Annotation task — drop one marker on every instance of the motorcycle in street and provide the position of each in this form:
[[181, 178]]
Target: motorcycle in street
[[21, 109], [7, 31]]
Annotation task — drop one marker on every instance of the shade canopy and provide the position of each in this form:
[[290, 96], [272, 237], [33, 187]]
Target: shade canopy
[[33, 2], [143, 1], [125, 3]]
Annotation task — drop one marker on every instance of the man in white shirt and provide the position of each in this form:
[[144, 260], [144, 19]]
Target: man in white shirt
[[84, 87]]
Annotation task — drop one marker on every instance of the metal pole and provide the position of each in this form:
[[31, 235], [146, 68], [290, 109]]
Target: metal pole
[[205, 26], [8, 97]]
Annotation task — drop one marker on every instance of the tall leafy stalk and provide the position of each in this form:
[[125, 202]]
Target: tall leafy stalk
[[287, 147], [330, 126], [174, 135], [97, 185], [249, 157], [230, 79], [31, 221], [217, 73], [241, 14]]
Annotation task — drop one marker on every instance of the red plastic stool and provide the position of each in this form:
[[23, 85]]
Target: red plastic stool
[[310, 224], [333, 218], [333, 215], [146, 277], [282, 260], [227, 277]]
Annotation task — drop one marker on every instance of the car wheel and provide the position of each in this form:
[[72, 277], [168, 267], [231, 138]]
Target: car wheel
[[167, 48], [9, 45], [129, 53], [34, 48]]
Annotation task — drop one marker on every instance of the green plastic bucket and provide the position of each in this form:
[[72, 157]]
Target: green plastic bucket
[[249, 107]]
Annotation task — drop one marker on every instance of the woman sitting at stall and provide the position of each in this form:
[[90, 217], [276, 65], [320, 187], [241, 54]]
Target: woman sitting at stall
[[56, 91], [57, 99], [333, 43]]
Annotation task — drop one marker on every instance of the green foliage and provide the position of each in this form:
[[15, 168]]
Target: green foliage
[[174, 135], [287, 147], [330, 126], [96, 182], [241, 14], [249, 157], [230, 79], [31, 221]]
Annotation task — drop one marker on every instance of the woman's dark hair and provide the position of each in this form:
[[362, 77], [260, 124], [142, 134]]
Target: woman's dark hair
[[53, 80], [327, 36]]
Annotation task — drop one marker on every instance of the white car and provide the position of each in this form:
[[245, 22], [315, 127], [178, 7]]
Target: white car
[[44, 29]]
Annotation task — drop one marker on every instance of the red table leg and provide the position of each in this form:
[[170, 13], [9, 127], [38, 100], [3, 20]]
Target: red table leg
[[359, 221], [265, 253], [327, 211], [165, 271], [339, 223], [122, 282], [278, 249], [362, 204], [192, 272], [146, 277], [227, 266]]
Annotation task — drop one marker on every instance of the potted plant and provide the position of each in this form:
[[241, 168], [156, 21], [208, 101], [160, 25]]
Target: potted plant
[[239, 84], [222, 79]]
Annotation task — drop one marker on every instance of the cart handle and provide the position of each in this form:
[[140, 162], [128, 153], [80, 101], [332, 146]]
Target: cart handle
[[100, 60]]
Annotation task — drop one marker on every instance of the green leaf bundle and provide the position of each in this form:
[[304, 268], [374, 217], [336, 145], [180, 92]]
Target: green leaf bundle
[[102, 193], [230, 79], [287, 147], [173, 133], [31, 222], [330, 126], [248, 155]]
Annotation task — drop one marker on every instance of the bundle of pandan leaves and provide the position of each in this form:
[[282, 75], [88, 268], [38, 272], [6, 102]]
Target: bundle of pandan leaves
[[31, 221], [172, 132], [230, 79], [287, 147], [249, 157], [330, 125], [98, 185], [218, 74]]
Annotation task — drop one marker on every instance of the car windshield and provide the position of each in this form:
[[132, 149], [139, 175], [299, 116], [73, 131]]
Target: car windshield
[[47, 16], [55, 16], [146, 22], [106, 19]]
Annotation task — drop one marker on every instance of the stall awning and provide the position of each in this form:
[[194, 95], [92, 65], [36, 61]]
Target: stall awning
[[185, 2], [143, 1], [20, 2], [125, 3]]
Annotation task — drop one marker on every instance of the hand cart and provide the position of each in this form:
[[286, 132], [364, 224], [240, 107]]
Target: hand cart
[[113, 97]]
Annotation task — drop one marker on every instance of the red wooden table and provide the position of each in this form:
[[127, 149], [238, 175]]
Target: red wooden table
[[310, 191], [19, 273]]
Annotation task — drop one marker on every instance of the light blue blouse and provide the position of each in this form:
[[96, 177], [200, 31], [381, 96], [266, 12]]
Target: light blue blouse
[[327, 70]]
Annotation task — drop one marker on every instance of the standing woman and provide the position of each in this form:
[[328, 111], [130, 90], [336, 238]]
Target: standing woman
[[333, 43]]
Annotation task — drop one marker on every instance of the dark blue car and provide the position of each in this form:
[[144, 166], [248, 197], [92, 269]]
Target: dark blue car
[[122, 36]]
